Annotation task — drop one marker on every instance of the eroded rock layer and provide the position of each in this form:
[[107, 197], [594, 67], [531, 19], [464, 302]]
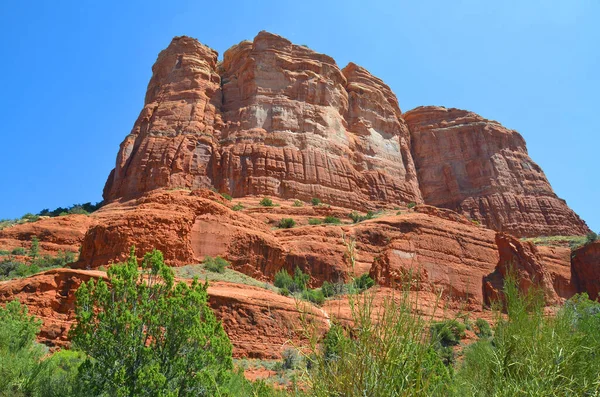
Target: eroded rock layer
[[273, 119], [481, 169]]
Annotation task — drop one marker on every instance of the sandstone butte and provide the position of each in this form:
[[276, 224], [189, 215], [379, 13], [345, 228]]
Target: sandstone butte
[[280, 120]]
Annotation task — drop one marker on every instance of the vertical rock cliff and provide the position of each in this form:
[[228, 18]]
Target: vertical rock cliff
[[481, 169], [279, 119], [273, 118]]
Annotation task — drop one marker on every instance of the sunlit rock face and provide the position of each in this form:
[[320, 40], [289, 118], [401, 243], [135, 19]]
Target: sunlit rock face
[[481, 169], [273, 118]]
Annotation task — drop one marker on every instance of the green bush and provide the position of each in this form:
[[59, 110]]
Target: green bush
[[4, 252], [170, 343], [19, 353], [57, 375], [238, 207], [283, 279], [483, 328], [290, 359], [532, 354], [216, 264], [284, 291], [226, 196], [383, 355], [286, 223], [297, 283], [314, 221], [313, 295], [315, 201], [356, 217], [332, 220], [363, 282], [297, 203], [266, 202], [328, 289], [34, 250], [448, 332], [411, 205], [591, 237], [19, 251]]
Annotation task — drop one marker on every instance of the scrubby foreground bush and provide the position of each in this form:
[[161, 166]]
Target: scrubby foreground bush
[[137, 334], [533, 354]]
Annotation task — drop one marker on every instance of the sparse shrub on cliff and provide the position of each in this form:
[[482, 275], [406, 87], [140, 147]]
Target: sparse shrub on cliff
[[34, 250], [290, 359], [313, 295], [4, 252], [314, 221], [591, 237], [411, 205], [446, 334], [328, 289], [483, 329], [297, 283], [286, 223], [332, 220], [356, 217], [363, 282], [238, 207], [19, 251], [315, 201], [216, 264], [226, 196], [170, 340], [266, 202], [298, 203]]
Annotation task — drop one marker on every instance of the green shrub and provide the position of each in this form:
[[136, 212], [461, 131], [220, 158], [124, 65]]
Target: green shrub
[[297, 203], [313, 295], [226, 196], [19, 353], [171, 341], [533, 354], [385, 355], [29, 217], [216, 264], [328, 289], [4, 252], [283, 279], [266, 202], [448, 332], [356, 217], [284, 291], [297, 283], [238, 207], [314, 221], [286, 223], [290, 359], [34, 250], [483, 328], [315, 201], [57, 375], [411, 205], [363, 282], [591, 237], [19, 251], [332, 220]]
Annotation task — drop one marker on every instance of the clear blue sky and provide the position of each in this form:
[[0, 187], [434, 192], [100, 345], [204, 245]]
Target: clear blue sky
[[74, 73]]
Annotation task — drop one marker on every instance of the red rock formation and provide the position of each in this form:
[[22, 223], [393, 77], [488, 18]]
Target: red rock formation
[[479, 168], [586, 269], [285, 121], [62, 233], [259, 322]]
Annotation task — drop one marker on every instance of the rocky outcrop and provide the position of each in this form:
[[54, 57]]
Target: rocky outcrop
[[273, 119], [259, 322], [62, 233], [586, 269], [481, 169]]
